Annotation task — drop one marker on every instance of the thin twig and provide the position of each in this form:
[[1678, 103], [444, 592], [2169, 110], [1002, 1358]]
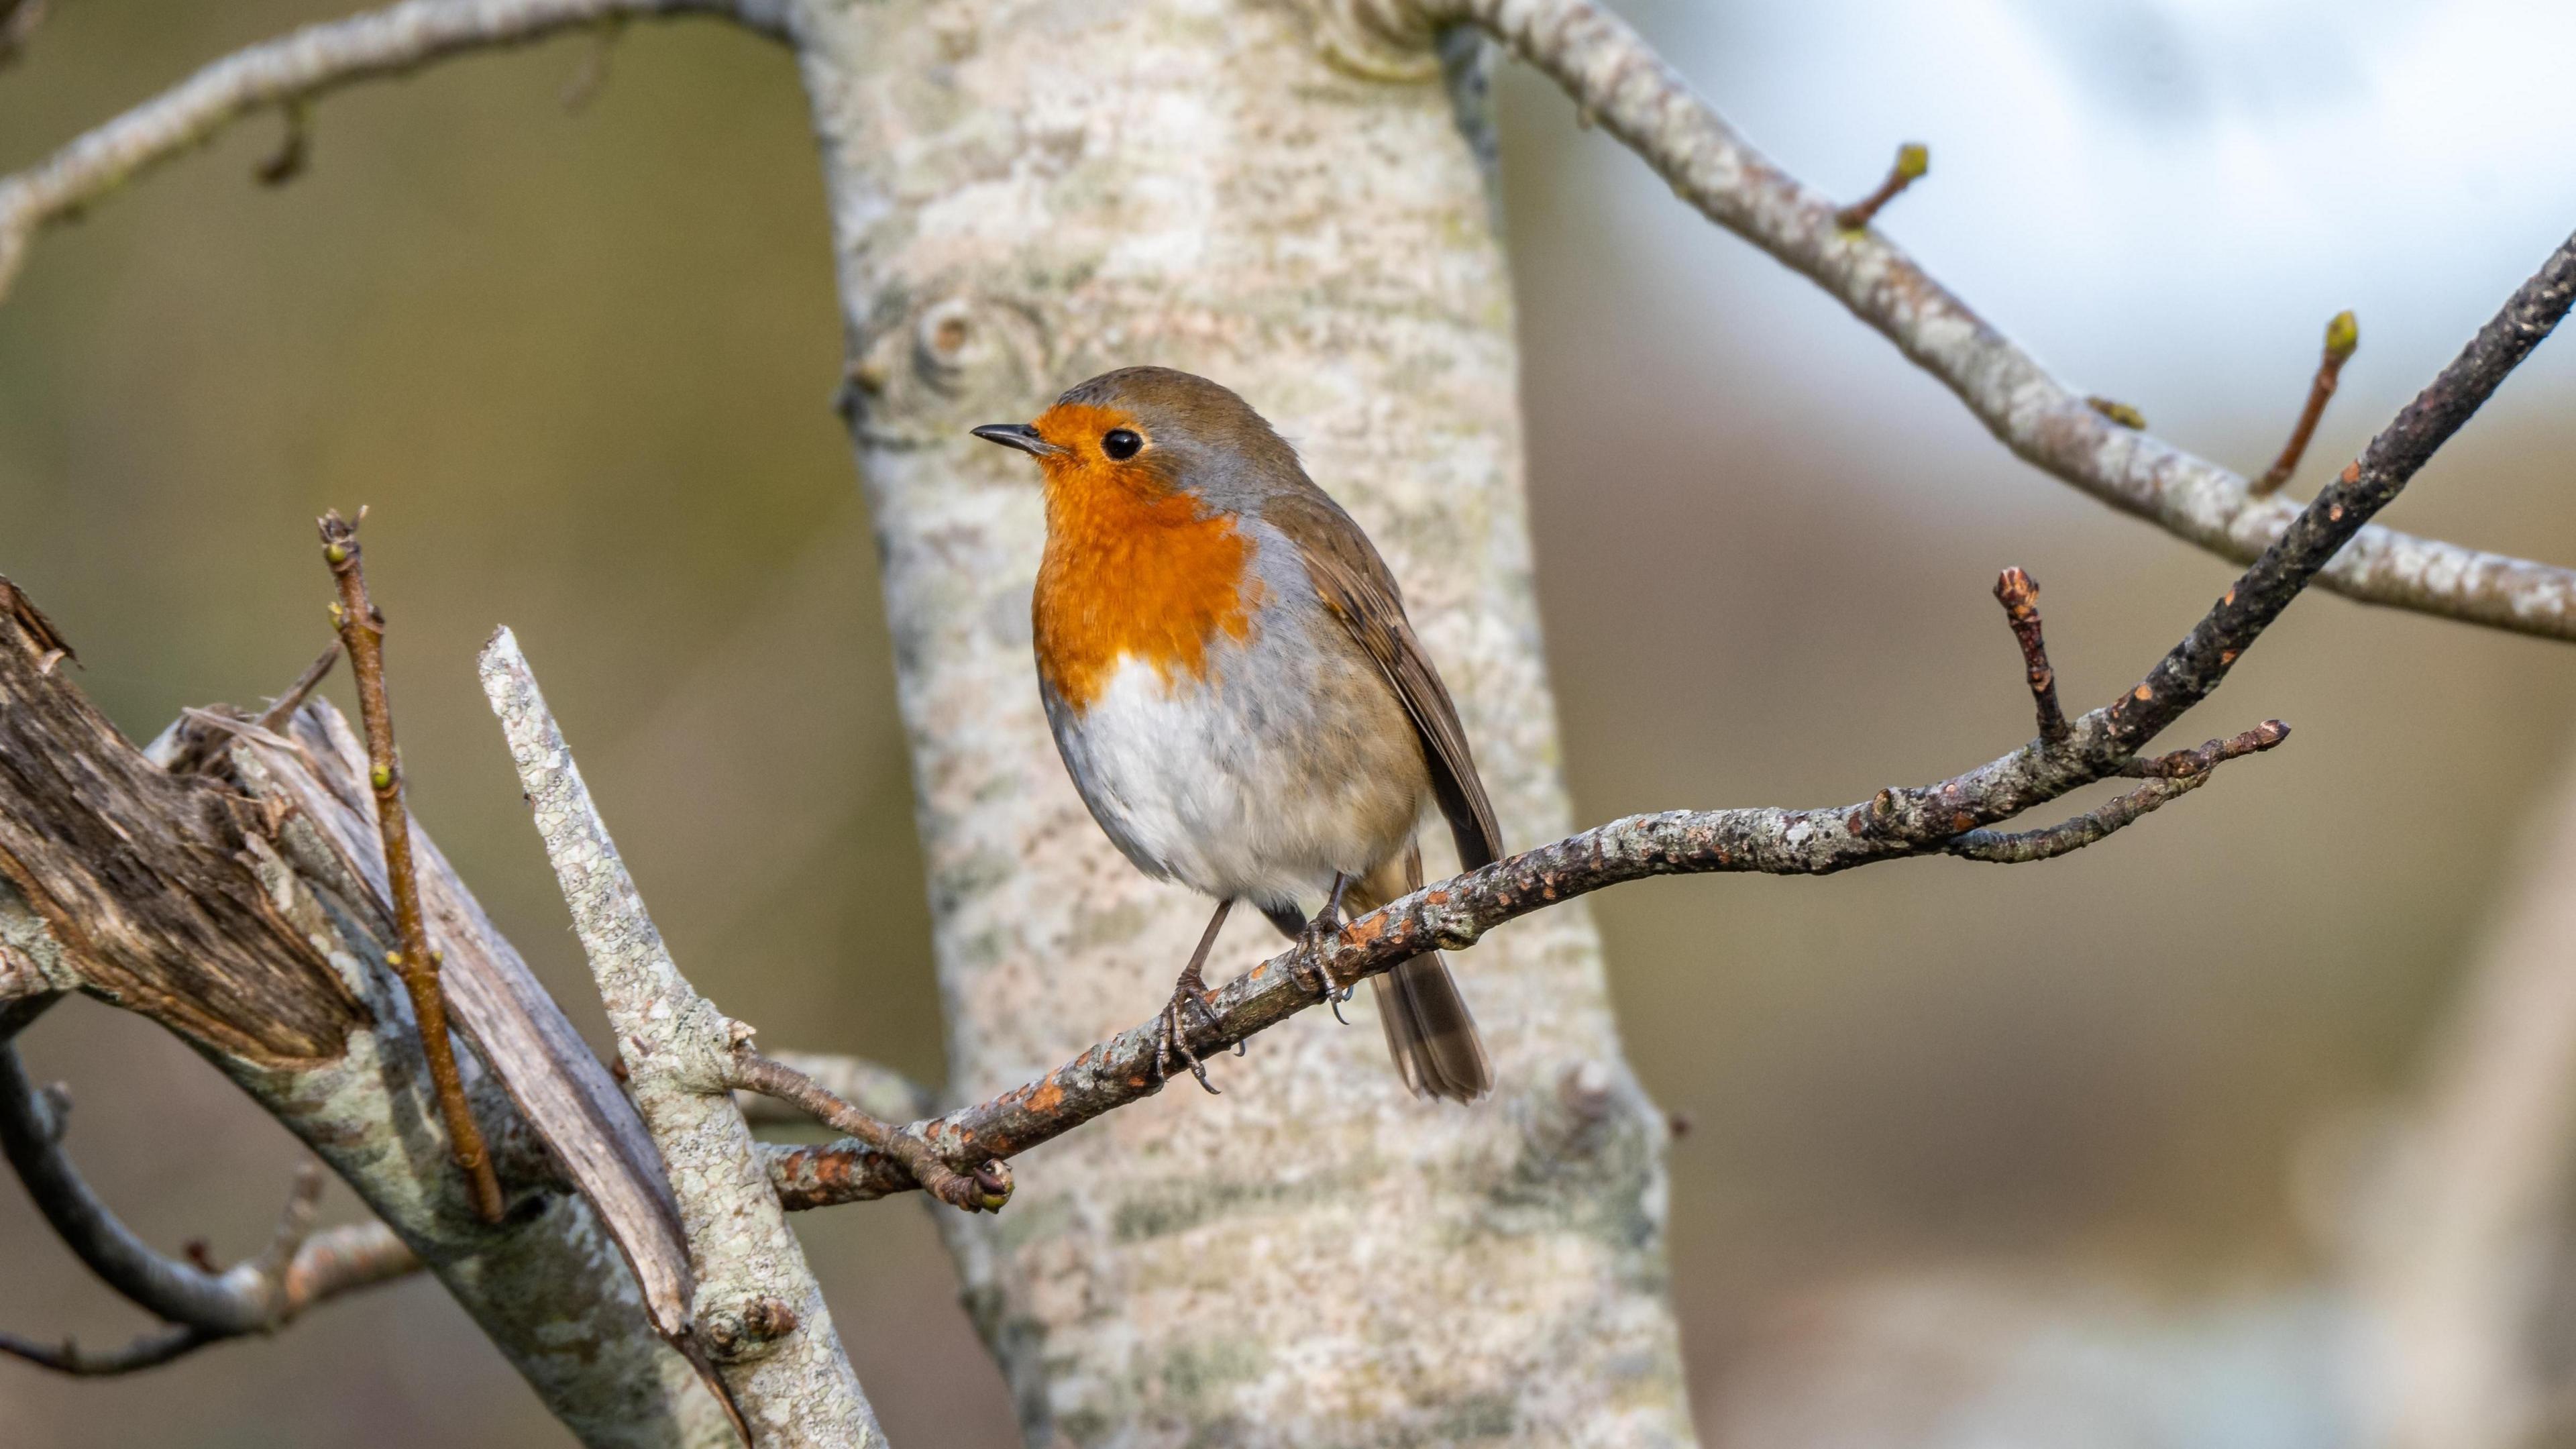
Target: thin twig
[[1895, 824], [1636, 96], [584, 84], [986, 1189], [2343, 335], [1913, 159], [2163, 786], [293, 149], [2018, 592], [872, 1087], [282, 709], [302, 66], [362, 633], [203, 1305]]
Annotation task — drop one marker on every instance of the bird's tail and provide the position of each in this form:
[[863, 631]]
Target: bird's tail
[[1429, 1030]]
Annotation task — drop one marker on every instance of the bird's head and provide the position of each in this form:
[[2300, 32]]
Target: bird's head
[[1155, 431]]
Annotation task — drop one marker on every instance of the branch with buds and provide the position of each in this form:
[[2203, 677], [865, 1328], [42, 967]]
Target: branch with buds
[[1951, 817]]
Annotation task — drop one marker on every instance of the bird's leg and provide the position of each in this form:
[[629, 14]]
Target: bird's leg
[[1190, 994], [1312, 969]]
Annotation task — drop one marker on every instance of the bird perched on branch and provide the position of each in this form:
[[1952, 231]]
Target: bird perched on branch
[[1232, 682]]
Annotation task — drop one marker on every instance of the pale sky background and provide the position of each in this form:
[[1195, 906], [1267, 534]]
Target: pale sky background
[[2163, 199]]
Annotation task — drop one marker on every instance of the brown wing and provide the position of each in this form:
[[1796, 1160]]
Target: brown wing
[[1354, 583]]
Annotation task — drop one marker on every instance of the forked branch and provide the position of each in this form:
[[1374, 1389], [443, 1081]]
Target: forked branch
[[294, 69], [1950, 817], [199, 1305], [1616, 79]]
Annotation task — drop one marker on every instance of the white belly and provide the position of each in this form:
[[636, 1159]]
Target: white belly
[[1239, 798]]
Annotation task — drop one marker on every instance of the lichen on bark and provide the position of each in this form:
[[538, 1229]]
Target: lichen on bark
[[1024, 195]]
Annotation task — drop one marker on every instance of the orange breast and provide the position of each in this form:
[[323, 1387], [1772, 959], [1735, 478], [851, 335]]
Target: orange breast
[[1134, 569]]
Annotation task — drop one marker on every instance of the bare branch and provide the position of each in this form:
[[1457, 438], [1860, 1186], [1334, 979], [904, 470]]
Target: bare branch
[[1926, 820], [300, 67], [872, 1087], [2172, 778], [986, 1189], [1913, 161], [1613, 76], [759, 1311], [245, 909], [199, 738], [362, 633], [2018, 592], [2343, 335], [202, 1306]]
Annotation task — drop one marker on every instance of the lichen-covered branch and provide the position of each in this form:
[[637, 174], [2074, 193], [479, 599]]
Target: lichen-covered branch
[[759, 1312], [1632, 93], [1947, 817], [242, 905], [2168, 780], [294, 69], [200, 1306]]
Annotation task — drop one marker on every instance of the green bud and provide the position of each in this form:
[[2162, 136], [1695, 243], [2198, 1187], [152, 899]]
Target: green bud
[[2343, 335], [1913, 160]]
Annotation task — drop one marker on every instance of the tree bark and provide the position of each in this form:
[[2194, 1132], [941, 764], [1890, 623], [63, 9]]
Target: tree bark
[[247, 915], [1024, 195]]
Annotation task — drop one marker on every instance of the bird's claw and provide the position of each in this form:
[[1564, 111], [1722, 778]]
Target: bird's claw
[[1313, 968], [1172, 1037]]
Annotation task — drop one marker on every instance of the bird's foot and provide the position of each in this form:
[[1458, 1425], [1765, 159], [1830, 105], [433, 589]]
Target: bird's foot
[[1171, 1037], [1313, 965]]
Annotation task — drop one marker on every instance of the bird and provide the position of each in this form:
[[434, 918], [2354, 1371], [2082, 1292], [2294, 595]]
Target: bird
[[1230, 677]]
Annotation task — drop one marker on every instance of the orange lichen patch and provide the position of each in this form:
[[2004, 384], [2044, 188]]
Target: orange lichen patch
[[2352, 471], [1135, 568], [2144, 694], [1047, 1097]]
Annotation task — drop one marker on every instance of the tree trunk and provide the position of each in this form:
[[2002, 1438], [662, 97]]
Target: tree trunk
[[1024, 195]]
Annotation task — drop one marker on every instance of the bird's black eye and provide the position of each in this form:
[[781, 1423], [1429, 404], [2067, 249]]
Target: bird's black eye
[[1121, 443]]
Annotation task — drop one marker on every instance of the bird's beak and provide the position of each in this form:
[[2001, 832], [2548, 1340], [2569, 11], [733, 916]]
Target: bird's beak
[[1020, 436]]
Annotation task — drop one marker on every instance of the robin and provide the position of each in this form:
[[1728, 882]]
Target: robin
[[1237, 694]]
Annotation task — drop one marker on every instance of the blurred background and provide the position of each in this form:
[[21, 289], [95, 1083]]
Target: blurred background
[[2057, 1154]]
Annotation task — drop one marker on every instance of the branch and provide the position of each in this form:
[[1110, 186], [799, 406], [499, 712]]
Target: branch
[[245, 908], [2169, 779], [299, 67], [201, 1306], [759, 1311], [2343, 336], [872, 1087], [2018, 592], [1913, 163], [1944, 818], [362, 633], [1614, 77], [986, 1189]]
